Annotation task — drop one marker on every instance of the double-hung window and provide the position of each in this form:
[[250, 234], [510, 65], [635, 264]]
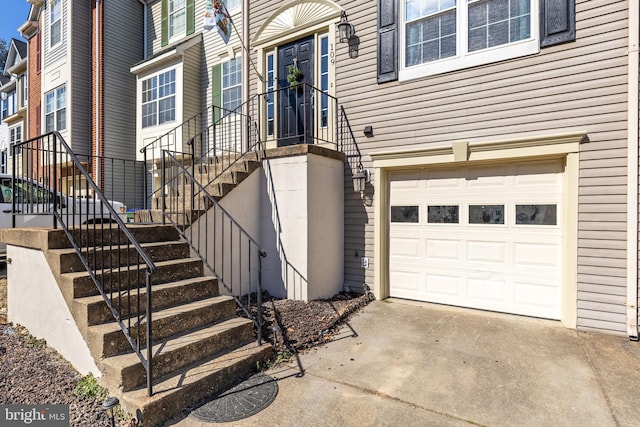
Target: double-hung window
[[55, 22], [159, 99], [445, 35], [232, 83], [232, 4], [55, 109], [15, 134], [177, 17]]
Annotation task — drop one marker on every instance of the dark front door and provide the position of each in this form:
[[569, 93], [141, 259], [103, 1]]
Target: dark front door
[[296, 107]]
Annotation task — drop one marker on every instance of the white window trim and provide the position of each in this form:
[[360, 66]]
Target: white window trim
[[180, 35], [158, 98], [465, 59], [13, 129], [56, 110], [224, 89], [51, 24]]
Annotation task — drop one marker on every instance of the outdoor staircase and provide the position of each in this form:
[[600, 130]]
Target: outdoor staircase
[[200, 345], [184, 209]]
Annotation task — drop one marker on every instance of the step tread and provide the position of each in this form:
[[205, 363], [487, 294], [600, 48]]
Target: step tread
[[175, 343], [124, 246], [167, 263], [160, 286], [189, 376], [106, 328]]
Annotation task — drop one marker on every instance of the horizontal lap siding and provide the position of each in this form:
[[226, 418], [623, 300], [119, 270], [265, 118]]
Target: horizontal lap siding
[[79, 94], [121, 21], [569, 87]]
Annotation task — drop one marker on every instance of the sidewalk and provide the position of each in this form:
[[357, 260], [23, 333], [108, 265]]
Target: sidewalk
[[430, 365]]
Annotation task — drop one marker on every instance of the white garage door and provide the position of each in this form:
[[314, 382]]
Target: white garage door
[[487, 237]]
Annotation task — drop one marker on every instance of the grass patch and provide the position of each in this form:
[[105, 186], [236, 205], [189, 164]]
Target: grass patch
[[88, 388]]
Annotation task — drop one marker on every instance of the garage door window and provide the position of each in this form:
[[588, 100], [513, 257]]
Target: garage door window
[[443, 214], [408, 214], [486, 214], [536, 215]]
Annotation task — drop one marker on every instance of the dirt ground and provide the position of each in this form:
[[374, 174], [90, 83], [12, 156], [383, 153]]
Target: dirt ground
[[32, 373]]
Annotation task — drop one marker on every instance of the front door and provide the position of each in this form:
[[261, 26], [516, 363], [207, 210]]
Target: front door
[[296, 106]]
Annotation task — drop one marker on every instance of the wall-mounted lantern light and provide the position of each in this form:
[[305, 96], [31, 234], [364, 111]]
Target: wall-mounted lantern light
[[360, 179], [345, 29]]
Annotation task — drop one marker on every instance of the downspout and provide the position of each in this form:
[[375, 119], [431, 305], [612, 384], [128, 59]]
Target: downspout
[[632, 172], [144, 35], [97, 94]]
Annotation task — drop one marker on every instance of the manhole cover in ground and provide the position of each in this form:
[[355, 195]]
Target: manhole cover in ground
[[244, 400]]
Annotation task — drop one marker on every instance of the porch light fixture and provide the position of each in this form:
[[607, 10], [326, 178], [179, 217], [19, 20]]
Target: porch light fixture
[[360, 179], [345, 29], [109, 406]]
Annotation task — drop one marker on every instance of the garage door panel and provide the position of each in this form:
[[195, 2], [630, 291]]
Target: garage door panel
[[487, 252], [514, 266], [406, 282], [442, 287], [405, 247], [537, 254], [535, 299], [443, 250], [485, 292]]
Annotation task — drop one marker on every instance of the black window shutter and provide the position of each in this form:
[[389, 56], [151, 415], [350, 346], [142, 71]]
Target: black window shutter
[[557, 22], [387, 41]]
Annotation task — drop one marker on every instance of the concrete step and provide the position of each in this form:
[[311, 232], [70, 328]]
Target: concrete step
[[79, 284], [193, 383], [126, 372], [95, 310], [119, 255], [108, 339], [48, 239]]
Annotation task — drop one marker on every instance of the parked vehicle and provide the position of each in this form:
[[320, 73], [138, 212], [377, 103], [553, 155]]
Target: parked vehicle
[[33, 203]]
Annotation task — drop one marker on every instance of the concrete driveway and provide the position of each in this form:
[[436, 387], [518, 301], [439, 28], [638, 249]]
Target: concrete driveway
[[399, 364]]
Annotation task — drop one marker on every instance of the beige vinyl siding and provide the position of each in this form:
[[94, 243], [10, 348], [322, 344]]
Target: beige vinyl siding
[[215, 51], [122, 27], [192, 85], [79, 96], [200, 59], [569, 87]]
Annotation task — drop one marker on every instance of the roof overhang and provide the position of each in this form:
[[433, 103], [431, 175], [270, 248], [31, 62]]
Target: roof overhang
[[171, 54]]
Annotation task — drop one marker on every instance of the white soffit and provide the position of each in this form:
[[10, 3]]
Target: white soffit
[[295, 16]]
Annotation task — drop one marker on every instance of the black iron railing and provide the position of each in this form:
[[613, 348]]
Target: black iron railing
[[348, 144], [301, 114], [207, 143], [224, 246], [50, 183]]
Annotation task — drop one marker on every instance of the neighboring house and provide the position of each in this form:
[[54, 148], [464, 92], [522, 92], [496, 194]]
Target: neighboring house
[[30, 30], [4, 128], [77, 56], [13, 94], [497, 138], [185, 68]]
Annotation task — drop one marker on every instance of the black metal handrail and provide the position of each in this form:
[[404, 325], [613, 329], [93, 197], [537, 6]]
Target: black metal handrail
[[348, 144], [49, 179], [305, 115], [209, 142], [224, 246]]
